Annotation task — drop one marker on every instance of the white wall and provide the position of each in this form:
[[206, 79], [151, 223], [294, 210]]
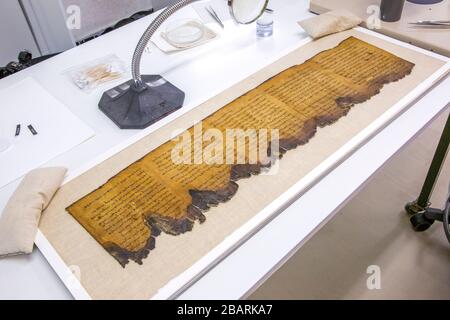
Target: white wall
[[48, 21], [15, 34], [159, 4], [100, 14]]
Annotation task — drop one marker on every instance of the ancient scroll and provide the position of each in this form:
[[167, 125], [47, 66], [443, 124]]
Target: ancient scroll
[[171, 188]]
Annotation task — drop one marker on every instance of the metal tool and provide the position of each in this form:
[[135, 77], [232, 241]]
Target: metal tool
[[215, 16], [431, 23]]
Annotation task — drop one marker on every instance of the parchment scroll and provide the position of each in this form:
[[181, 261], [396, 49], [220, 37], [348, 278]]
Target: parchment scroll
[[156, 194]]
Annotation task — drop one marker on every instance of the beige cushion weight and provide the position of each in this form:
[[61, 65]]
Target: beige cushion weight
[[20, 219], [329, 23]]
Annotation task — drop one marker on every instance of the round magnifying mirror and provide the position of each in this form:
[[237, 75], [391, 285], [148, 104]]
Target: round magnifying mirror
[[247, 11]]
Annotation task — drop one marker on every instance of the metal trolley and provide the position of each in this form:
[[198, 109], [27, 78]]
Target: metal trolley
[[420, 211]]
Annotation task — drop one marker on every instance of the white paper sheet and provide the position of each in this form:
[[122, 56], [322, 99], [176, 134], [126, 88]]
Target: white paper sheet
[[58, 130]]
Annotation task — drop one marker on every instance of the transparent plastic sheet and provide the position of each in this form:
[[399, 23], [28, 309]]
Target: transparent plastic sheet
[[97, 73]]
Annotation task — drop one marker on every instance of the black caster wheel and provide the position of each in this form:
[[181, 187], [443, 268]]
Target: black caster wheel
[[420, 223], [409, 208]]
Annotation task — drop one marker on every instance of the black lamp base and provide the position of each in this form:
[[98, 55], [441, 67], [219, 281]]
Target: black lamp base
[[137, 108]]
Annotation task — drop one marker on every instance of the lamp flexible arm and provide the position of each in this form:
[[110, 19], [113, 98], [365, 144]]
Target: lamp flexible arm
[[152, 28]]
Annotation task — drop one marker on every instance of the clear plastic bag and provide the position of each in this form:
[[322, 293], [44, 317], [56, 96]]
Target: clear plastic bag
[[96, 73]]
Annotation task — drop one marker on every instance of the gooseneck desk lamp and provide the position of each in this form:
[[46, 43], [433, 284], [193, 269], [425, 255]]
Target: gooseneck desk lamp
[[142, 101]]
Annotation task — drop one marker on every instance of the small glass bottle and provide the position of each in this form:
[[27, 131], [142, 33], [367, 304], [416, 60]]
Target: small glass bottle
[[264, 25]]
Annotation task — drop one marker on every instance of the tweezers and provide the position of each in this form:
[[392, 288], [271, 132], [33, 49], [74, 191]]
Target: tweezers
[[214, 15], [442, 23]]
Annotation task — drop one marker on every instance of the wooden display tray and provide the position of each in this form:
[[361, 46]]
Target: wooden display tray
[[437, 40], [179, 261]]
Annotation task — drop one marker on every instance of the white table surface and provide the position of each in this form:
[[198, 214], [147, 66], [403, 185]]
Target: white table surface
[[201, 73]]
